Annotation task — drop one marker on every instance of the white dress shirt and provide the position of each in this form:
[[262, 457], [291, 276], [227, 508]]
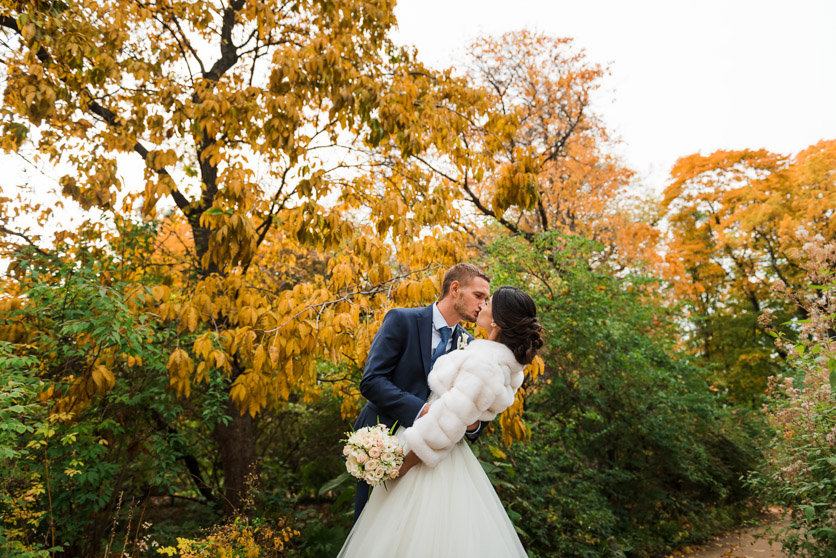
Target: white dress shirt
[[438, 323]]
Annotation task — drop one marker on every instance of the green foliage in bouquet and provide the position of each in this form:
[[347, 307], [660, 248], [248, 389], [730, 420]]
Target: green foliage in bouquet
[[631, 453]]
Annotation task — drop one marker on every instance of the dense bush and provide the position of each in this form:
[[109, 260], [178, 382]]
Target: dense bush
[[630, 453], [303, 474], [134, 465], [22, 420], [78, 470], [798, 474]]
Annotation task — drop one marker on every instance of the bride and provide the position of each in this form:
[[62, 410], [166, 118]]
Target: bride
[[443, 503]]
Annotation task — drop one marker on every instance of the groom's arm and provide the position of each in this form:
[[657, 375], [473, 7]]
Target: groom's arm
[[385, 353]]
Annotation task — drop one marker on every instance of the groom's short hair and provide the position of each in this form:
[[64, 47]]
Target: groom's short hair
[[464, 274]]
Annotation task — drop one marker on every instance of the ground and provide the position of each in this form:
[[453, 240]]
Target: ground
[[750, 542]]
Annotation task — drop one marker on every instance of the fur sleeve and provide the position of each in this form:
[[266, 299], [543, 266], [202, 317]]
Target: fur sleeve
[[474, 385]]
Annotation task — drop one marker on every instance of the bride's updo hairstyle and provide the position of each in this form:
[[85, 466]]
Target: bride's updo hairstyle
[[514, 312]]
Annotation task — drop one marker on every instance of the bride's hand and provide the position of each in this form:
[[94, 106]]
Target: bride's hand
[[409, 461]]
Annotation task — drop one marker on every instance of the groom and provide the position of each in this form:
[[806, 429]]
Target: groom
[[405, 348]]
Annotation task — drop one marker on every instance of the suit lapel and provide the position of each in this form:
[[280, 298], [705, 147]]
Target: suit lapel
[[425, 331]]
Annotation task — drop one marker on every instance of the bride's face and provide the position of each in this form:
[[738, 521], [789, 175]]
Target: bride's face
[[485, 317]]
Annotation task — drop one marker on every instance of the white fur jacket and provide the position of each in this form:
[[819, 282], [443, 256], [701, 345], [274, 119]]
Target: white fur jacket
[[476, 383]]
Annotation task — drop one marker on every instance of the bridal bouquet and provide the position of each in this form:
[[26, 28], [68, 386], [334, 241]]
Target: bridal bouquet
[[373, 454]]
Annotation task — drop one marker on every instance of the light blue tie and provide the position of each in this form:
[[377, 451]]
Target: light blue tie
[[441, 348]]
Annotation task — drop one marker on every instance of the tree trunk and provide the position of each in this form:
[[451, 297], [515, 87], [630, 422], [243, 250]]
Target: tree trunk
[[236, 441]]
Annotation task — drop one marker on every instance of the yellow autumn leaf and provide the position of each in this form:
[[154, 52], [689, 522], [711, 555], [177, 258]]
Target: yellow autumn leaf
[[259, 358], [202, 346], [161, 293]]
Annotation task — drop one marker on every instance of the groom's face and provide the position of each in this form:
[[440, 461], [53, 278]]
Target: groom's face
[[468, 299]]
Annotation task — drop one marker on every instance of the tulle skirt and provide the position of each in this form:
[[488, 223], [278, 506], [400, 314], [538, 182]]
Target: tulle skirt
[[451, 511]]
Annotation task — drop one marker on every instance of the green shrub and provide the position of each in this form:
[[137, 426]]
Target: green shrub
[[82, 463], [631, 453]]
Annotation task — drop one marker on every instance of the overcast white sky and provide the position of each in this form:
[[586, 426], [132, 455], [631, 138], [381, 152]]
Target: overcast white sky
[[686, 76]]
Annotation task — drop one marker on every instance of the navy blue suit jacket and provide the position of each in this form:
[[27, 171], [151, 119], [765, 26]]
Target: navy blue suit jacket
[[395, 378]]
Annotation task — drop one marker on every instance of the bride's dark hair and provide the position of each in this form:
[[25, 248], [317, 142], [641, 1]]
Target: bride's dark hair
[[515, 313]]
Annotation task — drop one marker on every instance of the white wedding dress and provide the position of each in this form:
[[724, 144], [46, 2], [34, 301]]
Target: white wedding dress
[[450, 510], [445, 506]]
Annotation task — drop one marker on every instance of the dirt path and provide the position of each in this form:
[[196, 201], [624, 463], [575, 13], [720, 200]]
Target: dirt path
[[742, 544]]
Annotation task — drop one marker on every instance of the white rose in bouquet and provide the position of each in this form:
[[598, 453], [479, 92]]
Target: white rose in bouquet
[[373, 454], [376, 476]]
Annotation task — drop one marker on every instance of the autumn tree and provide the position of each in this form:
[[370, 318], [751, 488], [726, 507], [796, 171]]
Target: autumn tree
[[737, 220], [534, 156], [245, 117]]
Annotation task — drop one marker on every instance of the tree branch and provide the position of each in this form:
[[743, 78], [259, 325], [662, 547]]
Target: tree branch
[[28, 240], [265, 225], [11, 23], [772, 258], [543, 216], [557, 148], [475, 199], [104, 113], [110, 117], [229, 52]]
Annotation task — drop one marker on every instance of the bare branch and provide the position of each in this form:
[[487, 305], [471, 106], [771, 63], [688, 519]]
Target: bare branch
[[28, 240], [558, 146]]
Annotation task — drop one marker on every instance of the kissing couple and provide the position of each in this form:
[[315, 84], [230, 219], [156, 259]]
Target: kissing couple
[[442, 386]]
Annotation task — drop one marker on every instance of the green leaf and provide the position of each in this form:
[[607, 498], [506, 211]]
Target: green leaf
[[832, 365], [825, 532], [497, 453], [489, 468], [334, 483]]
